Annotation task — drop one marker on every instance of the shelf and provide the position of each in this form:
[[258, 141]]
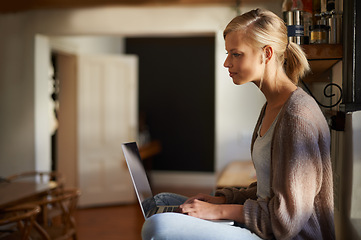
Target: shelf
[[316, 52], [321, 57]]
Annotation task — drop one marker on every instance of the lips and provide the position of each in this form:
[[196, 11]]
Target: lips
[[231, 74]]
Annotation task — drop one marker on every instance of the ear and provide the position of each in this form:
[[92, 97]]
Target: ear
[[267, 53]]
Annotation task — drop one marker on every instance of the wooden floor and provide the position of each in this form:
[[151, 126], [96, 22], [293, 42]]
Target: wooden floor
[[110, 223], [123, 222]]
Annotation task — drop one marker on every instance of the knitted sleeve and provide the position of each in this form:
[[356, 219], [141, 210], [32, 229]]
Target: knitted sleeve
[[238, 196], [296, 177]]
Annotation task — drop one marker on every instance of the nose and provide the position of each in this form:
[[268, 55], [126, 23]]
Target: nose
[[227, 63]]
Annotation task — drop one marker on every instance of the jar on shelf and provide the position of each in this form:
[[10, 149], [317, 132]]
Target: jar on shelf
[[295, 26], [319, 34], [335, 23]]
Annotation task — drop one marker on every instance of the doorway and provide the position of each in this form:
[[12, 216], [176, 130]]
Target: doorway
[[97, 112], [177, 98]]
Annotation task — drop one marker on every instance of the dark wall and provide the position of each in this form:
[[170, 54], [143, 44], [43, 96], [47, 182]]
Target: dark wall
[[351, 86], [176, 93]]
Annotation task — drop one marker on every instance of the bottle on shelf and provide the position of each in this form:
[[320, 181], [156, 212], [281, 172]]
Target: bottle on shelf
[[334, 21], [297, 14], [287, 5], [330, 5], [290, 5], [307, 18]]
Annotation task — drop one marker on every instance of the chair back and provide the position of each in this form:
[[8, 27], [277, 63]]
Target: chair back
[[17, 222], [58, 214]]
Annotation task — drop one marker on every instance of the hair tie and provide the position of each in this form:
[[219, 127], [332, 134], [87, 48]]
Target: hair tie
[[288, 43]]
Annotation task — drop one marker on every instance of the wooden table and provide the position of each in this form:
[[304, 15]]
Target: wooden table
[[12, 193]]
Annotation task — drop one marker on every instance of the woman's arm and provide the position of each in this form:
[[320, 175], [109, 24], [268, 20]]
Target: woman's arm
[[207, 198], [238, 196]]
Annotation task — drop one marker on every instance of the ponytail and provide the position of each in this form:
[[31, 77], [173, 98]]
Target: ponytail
[[296, 65]]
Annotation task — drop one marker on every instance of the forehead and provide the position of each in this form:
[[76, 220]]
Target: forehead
[[236, 41]]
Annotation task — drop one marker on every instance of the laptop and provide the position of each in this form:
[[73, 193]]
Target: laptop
[[141, 183], [142, 187]]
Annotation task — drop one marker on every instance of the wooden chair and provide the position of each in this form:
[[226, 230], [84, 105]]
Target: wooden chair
[[57, 212], [17, 222]]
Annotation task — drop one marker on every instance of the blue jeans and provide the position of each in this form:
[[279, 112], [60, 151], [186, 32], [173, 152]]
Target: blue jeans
[[177, 226]]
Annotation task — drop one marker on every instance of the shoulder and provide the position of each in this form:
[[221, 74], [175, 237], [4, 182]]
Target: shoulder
[[302, 110], [299, 100], [301, 104]]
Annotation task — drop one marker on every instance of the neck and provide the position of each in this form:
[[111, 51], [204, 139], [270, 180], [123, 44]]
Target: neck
[[277, 88]]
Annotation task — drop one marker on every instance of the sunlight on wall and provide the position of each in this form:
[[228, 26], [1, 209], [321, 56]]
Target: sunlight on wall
[[356, 183], [126, 21]]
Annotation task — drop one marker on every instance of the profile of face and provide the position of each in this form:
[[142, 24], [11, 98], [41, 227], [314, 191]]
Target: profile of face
[[244, 62]]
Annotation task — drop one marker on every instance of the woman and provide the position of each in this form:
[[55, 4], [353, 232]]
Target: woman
[[293, 195]]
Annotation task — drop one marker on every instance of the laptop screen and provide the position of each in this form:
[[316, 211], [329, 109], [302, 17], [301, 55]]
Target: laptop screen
[[139, 177]]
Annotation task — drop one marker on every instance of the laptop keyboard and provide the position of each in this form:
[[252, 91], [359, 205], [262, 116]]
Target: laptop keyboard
[[169, 209]]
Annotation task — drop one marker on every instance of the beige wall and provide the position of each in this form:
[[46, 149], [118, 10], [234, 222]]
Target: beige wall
[[17, 148], [22, 139]]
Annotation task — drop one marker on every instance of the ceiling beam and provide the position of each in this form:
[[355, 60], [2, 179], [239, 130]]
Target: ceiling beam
[[9, 6]]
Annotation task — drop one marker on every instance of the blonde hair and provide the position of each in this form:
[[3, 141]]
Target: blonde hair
[[264, 28]]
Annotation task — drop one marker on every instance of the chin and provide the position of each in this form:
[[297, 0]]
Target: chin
[[238, 82]]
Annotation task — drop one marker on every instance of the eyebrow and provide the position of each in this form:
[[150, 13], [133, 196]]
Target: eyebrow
[[235, 50]]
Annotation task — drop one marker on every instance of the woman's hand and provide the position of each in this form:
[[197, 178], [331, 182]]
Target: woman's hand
[[205, 210], [206, 198], [201, 209]]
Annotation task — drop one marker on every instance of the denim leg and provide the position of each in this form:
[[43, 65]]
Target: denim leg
[[166, 199], [177, 226]]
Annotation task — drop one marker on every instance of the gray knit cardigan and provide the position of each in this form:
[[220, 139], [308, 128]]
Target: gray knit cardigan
[[301, 202]]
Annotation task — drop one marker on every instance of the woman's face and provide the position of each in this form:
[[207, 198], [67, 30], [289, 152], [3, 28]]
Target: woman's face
[[244, 63]]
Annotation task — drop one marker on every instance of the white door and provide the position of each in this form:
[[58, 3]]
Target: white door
[[107, 117]]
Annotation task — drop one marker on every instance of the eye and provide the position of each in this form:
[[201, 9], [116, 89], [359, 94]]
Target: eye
[[234, 54]]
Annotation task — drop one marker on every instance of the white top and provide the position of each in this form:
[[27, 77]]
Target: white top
[[261, 157]]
